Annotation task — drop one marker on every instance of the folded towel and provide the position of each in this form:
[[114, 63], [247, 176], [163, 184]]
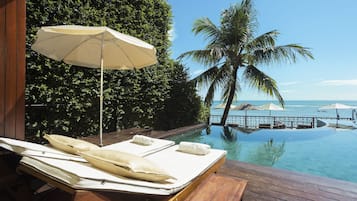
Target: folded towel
[[143, 140], [194, 148]]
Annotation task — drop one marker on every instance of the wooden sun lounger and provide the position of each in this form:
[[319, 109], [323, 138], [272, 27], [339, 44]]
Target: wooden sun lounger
[[55, 173], [303, 126], [264, 126], [84, 195]]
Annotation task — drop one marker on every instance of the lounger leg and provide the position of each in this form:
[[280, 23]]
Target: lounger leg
[[13, 186], [20, 192]]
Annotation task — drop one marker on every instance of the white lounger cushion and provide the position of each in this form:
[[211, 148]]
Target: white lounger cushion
[[138, 149], [125, 164], [68, 144], [32, 149], [184, 167]]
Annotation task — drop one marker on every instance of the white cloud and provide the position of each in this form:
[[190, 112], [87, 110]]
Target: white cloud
[[288, 83], [286, 91], [339, 83]]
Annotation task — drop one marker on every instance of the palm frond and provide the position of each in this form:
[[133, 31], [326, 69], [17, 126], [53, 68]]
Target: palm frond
[[266, 40], [227, 89], [238, 24], [210, 94], [213, 35], [214, 77], [206, 77], [201, 56], [206, 27], [285, 53], [262, 82], [216, 84]]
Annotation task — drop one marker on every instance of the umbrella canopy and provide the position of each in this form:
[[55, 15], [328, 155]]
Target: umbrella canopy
[[94, 47], [270, 107], [87, 46], [245, 107], [336, 106], [223, 105]]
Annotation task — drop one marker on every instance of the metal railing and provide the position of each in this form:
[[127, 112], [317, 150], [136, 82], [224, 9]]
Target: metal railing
[[270, 121]]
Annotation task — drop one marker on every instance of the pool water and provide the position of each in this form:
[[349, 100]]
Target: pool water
[[323, 151]]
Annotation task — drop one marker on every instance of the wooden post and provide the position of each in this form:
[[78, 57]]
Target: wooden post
[[12, 68]]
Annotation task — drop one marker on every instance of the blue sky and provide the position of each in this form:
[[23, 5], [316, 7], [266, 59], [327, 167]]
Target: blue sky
[[328, 27]]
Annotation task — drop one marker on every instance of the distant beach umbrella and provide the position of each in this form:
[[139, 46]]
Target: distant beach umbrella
[[223, 105], [336, 106], [270, 107], [245, 107]]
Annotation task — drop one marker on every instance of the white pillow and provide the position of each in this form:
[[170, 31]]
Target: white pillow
[[143, 140], [194, 148], [125, 164], [68, 144]]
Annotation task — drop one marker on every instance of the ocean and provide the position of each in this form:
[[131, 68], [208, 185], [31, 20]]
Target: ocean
[[301, 108]]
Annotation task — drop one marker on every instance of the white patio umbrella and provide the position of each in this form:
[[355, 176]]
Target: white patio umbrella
[[94, 47], [223, 105], [336, 106], [270, 107], [245, 107]]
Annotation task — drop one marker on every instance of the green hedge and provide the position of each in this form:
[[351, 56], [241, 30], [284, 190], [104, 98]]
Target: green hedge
[[63, 99]]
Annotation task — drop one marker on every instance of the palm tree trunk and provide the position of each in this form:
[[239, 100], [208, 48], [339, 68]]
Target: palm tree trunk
[[230, 97], [226, 109]]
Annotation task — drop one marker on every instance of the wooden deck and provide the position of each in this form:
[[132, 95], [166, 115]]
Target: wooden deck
[[265, 183]]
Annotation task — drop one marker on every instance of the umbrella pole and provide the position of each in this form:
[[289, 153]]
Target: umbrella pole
[[245, 119], [101, 96], [337, 118], [101, 105]]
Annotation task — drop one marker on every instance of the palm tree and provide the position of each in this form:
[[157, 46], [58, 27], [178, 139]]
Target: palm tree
[[232, 47]]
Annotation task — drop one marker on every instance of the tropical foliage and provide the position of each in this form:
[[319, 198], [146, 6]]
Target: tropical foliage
[[234, 54], [64, 99], [183, 105]]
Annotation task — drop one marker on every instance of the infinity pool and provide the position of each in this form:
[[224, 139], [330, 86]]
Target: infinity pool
[[323, 151]]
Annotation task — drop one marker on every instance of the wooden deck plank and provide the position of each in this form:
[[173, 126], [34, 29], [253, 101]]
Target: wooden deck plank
[[277, 184], [218, 187]]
